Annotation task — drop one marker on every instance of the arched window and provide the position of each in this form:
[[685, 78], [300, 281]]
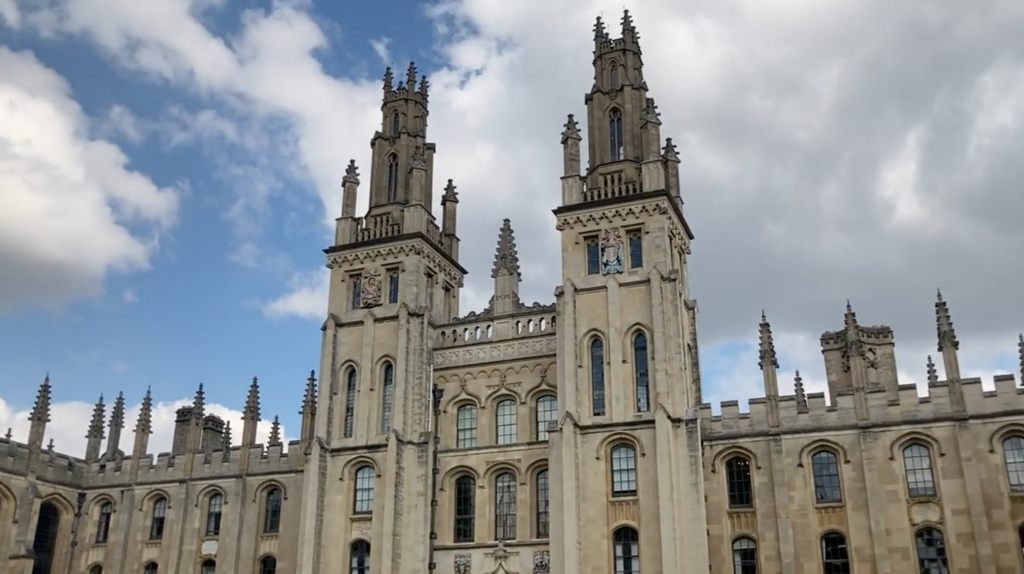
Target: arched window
[[387, 393], [827, 486], [615, 134], [627, 551], [350, 401], [593, 256], [547, 411], [272, 512], [643, 401], [737, 479], [917, 460], [744, 556], [506, 422], [213, 513], [392, 178], [466, 426], [97, 569], [151, 568], [613, 76], [931, 551], [364, 490], [623, 470], [360, 560], [465, 508], [505, 506], [103, 525], [597, 375], [395, 126], [45, 539], [208, 567], [1013, 455], [156, 523], [835, 557], [268, 565], [543, 514]]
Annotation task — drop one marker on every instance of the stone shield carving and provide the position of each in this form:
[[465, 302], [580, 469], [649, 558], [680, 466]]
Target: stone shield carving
[[541, 562], [371, 286], [611, 251], [462, 563]]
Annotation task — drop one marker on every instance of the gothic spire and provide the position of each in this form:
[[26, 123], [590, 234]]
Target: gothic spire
[[410, 77], [144, 424], [1020, 351], [600, 34], [669, 151], [850, 319], [571, 131], [199, 404], [801, 395], [933, 377], [275, 433], [99, 413], [389, 80], [505, 257], [628, 28], [767, 345], [944, 325], [424, 87], [948, 345], [41, 408], [252, 403], [225, 438], [116, 424], [309, 400]]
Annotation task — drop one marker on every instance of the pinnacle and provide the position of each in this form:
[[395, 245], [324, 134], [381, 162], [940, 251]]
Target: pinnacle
[[410, 76], [351, 173], [389, 80], [669, 151], [450, 195], [252, 402], [571, 131], [96, 424], [506, 258], [41, 408], [944, 326], [117, 414], [933, 376], [309, 401], [801, 395], [275, 433], [145, 421], [767, 345]]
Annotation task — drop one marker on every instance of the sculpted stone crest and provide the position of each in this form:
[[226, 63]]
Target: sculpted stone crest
[[463, 563], [370, 287], [611, 251]]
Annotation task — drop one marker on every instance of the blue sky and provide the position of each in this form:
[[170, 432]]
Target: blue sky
[[183, 245]]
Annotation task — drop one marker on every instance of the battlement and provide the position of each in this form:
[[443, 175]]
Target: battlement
[[530, 321], [874, 335], [910, 407], [71, 471]]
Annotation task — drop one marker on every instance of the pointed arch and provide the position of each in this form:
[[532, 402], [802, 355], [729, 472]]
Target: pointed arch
[[378, 369], [147, 499], [396, 125], [387, 396], [101, 498], [501, 468], [348, 470], [897, 446], [614, 439], [615, 140], [266, 486], [1002, 433], [464, 395], [614, 81], [208, 491], [718, 460], [62, 504], [348, 364], [391, 191], [812, 447], [7, 500], [455, 472]]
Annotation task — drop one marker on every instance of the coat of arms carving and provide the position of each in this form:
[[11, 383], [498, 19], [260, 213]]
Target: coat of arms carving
[[370, 287], [611, 251]]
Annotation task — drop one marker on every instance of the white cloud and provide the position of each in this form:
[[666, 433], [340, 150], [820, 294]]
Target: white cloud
[[307, 298], [70, 421], [128, 297], [9, 13], [380, 46], [73, 211], [121, 121], [120, 367]]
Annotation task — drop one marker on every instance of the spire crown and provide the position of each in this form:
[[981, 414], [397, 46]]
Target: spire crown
[[801, 395], [252, 402], [767, 345], [144, 424], [600, 34], [96, 424], [571, 131], [275, 433], [944, 325], [505, 257], [389, 80], [410, 76], [117, 414], [450, 195], [41, 408], [309, 400], [933, 376], [669, 151], [351, 173], [199, 404]]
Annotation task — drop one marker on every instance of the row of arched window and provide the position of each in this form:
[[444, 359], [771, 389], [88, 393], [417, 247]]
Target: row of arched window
[[641, 374], [387, 397], [828, 485], [505, 507], [272, 501], [506, 421], [266, 565]]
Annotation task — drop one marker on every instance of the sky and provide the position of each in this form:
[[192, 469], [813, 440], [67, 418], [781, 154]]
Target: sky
[[170, 172]]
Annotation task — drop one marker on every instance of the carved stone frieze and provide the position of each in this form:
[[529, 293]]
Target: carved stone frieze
[[395, 252], [495, 352], [622, 215]]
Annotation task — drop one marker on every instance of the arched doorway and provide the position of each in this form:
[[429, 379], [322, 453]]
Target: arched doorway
[[45, 542]]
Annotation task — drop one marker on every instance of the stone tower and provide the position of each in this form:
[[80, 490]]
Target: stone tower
[[627, 377], [392, 273]]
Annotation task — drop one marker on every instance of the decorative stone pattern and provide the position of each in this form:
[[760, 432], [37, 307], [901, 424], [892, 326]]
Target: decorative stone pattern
[[611, 251], [463, 563], [541, 562], [499, 352], [371, 287]]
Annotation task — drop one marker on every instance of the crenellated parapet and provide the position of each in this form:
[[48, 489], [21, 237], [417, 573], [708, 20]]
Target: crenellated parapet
[[51, 466]]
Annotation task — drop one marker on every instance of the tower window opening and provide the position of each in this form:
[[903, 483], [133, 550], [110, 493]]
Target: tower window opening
[[613, 75], [593, 256], [392, 190], [615, 135], [394, 124]]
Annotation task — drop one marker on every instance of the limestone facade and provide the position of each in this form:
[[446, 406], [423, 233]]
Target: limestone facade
[[566, 438]]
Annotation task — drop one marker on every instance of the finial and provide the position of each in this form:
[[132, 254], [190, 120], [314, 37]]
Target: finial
[[571, 131], [117, 414], [424, 87], [767, 345], [599, 33], [938, 295], [96, 424], [225, 437], [252, 402], [627, 24], [850, 319], [450, 195], [650, 115], [9, 435], [1020, 351], [309, 400], [944, 326], [49, 446], [351, 173], [144, 425], [933, 376], [801, 395], [505, 257], [389, 80], [41, 408], [199, 404], [669, 151], [410, 76], [275, 433]]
